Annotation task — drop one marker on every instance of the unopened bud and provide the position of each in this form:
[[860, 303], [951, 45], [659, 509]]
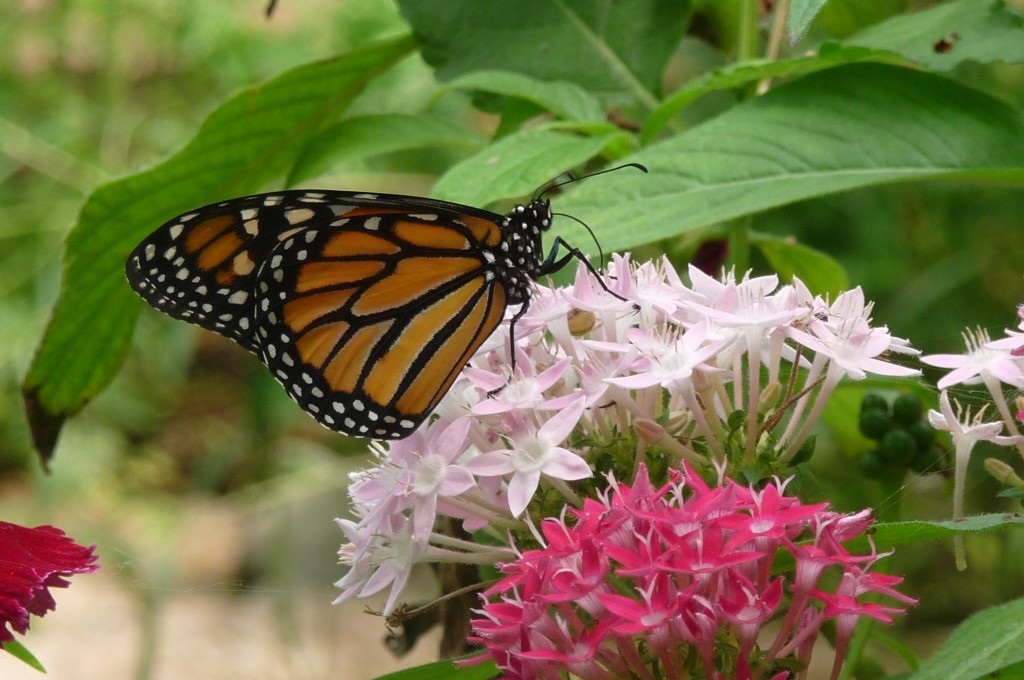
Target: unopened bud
[[769, 397], [649, 431], [1003, 473], [678, 421]]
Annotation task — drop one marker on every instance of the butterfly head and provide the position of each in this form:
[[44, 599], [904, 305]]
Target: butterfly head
[[521, 255]]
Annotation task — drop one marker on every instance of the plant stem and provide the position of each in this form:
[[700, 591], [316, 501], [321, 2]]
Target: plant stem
[[748, 41]]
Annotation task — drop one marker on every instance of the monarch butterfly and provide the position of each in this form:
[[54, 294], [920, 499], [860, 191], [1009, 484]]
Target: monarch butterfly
[[364, 306]]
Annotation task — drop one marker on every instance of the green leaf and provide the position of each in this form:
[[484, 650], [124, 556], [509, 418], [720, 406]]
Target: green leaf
[[987, 642], [363, 136], [840, 18], [516, 166], [848, 127], [444, 670], [889, 535], [20, 652], [566, 100], [819, 272], [801, 14], [744, 73], [893, 534], [944, 36], [611, 48], [252, 138]]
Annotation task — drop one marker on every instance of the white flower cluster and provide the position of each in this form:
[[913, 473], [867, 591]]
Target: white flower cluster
[[636, 356]]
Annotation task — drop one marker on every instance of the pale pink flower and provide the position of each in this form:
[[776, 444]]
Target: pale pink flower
[[437, 474], [982, 360], [966, 432], [535, 453], [670, 362], [526, 389], [387, 558]]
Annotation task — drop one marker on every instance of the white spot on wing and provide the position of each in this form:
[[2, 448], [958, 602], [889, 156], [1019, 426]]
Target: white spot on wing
[[297, 215], [243, 263]]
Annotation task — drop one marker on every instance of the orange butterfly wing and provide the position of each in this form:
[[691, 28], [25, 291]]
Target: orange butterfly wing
[[365, 307]]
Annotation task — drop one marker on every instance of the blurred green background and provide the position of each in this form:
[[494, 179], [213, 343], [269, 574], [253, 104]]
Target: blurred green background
[[212, 495]]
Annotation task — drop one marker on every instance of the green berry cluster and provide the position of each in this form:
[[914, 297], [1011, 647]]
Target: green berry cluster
[[905, 437]]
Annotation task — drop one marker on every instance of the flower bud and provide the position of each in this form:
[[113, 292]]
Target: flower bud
[[769, 396], [1003, 473]]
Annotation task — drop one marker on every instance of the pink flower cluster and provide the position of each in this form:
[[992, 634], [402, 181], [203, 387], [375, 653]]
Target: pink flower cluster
[[636, 367], [677, 582]]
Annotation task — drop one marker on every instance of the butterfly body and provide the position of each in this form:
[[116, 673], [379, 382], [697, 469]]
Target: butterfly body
[[365, 307]]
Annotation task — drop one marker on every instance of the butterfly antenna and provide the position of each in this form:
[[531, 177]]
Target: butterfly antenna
[[600, 252], [546, 186], [572, 178]]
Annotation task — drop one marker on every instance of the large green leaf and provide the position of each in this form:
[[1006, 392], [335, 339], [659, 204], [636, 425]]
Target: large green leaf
[[363, 136], [848, 127], [819, 272], [564, 99], [741, 74], [611, 48], [944, 36], [516, 166], [249, 140], [987, 642]]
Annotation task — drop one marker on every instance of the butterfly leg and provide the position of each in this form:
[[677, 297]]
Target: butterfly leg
[[511, 346], [552, 263]]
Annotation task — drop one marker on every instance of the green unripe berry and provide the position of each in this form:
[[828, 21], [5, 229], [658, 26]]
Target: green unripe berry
[[875, 423], [874, 402], [907, 408], [898, 446], [871, 464], [923, 434]]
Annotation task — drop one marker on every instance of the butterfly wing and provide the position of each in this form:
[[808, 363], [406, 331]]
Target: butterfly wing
[[201, 266], [365, 307]]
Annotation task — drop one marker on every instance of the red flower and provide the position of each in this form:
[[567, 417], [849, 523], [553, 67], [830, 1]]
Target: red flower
[[31, 562]]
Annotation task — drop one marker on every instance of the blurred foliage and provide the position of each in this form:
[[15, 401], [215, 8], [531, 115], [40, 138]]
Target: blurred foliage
[[92, 90]]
